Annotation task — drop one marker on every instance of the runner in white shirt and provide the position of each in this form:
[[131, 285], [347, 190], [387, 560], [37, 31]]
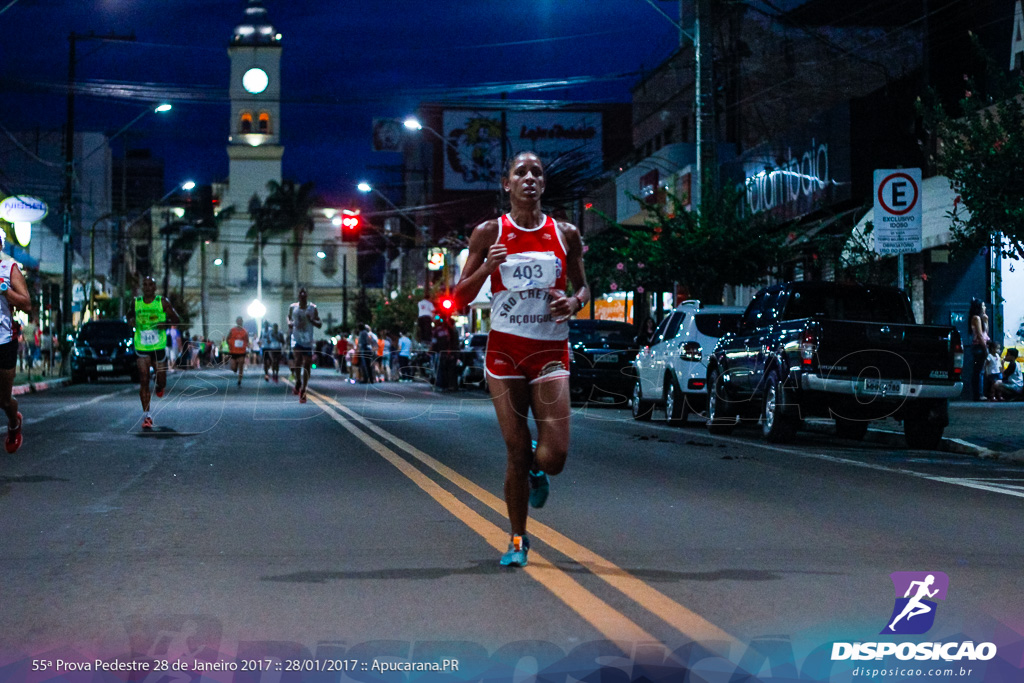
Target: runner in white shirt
[[302, 318], [13, 294], [273, 343]]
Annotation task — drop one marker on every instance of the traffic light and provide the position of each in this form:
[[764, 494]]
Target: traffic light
[[446, 305], [351, 225]]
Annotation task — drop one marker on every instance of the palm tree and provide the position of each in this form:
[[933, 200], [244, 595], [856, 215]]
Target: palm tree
[[182, 249], [287, 209]]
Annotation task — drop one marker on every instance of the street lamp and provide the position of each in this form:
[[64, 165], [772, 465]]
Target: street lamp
[[160, 109], [414, 124], [69, 176], [187, 186], [365, 188], [257, 310]]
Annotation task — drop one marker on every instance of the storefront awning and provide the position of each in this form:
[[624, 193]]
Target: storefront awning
[[483, 298]]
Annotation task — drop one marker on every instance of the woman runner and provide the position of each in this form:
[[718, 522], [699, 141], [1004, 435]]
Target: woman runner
[[528, 257]]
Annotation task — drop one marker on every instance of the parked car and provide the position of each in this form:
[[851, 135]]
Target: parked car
[[103, 348], [849, 352], [671, 371], [472, 370], [601, 359]]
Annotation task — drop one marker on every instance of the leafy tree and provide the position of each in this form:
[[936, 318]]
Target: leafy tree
[[399, 313], [715, 245], [287, 210], [184, 306], [980, 148]]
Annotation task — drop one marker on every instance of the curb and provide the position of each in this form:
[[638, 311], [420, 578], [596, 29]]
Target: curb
[[36, 387], [949, 445]]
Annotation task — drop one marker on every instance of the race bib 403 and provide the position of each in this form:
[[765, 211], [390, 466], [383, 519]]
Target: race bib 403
[[529, 270]]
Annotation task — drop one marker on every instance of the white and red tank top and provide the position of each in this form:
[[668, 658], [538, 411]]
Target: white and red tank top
[[6, 317], [532, 276]]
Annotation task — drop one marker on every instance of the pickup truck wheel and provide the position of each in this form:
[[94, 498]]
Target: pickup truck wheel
[[642, 409], [721, 419], [922, 428], [776, 426], [675, 403], [851, 429]]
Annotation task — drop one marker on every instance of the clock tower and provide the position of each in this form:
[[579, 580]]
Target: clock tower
[[254, 148]]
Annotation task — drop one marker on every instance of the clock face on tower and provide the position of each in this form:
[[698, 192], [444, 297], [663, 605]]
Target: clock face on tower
[[255, 80]]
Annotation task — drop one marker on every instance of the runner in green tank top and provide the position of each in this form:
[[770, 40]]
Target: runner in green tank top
[[151, 315]]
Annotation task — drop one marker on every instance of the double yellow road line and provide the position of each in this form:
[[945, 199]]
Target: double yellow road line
[[606, 619]]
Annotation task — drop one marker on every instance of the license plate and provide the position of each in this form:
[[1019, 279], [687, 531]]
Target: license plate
[[104, 368], [882, 386], [607, 358]]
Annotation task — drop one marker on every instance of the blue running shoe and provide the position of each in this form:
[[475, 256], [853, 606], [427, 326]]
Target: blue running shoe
[[518, 547], [540, 487]]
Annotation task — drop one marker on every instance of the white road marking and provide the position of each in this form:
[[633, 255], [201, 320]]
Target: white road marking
[[74, 406], [958, 481]]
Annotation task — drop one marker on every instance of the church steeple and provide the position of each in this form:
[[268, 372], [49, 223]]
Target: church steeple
[[254, 141], [256, 28]]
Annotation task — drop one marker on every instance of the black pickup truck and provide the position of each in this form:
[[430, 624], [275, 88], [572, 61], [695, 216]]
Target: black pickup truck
[[848, 352]]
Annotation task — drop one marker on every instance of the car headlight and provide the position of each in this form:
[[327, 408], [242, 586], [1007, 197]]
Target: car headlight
[[83, 352]]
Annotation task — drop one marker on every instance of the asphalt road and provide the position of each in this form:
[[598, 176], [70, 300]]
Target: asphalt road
[[367, 523]]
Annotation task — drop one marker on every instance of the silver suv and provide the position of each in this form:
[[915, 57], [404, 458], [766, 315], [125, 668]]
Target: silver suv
[[671, 371]]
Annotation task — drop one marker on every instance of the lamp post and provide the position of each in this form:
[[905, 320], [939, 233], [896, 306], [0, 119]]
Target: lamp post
[[366, 188], [92, 264], [67, 195], [188, 186], [414, 124]]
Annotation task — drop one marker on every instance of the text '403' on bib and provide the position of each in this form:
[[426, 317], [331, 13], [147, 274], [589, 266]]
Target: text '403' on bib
[[530, 270]]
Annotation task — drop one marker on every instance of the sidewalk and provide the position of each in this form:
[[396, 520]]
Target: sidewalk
[[983, 430], [998, 426], [25, 383]]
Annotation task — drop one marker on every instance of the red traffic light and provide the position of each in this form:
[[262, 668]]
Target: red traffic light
[[446, 305], [351, 222]]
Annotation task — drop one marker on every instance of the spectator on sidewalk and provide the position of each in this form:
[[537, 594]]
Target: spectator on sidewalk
[[340, 351], [993, 370], [404, 357], [31, 335], [16, 333], [46, 350], [367, 349], [977, 323], [1011, 386]]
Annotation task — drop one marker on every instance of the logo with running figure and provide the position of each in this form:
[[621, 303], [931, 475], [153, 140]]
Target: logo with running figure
[[916, 593]]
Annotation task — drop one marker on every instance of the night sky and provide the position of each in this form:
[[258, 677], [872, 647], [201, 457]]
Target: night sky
[[343, 64]]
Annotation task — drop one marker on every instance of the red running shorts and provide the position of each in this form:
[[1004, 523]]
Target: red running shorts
[[535, 360]]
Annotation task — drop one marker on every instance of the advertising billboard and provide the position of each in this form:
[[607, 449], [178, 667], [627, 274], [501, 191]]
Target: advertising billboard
[[473, 141]]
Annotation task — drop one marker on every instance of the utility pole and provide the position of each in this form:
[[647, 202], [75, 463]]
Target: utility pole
[[707, 151], [344, 290], [69, 181], [67, 197]]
